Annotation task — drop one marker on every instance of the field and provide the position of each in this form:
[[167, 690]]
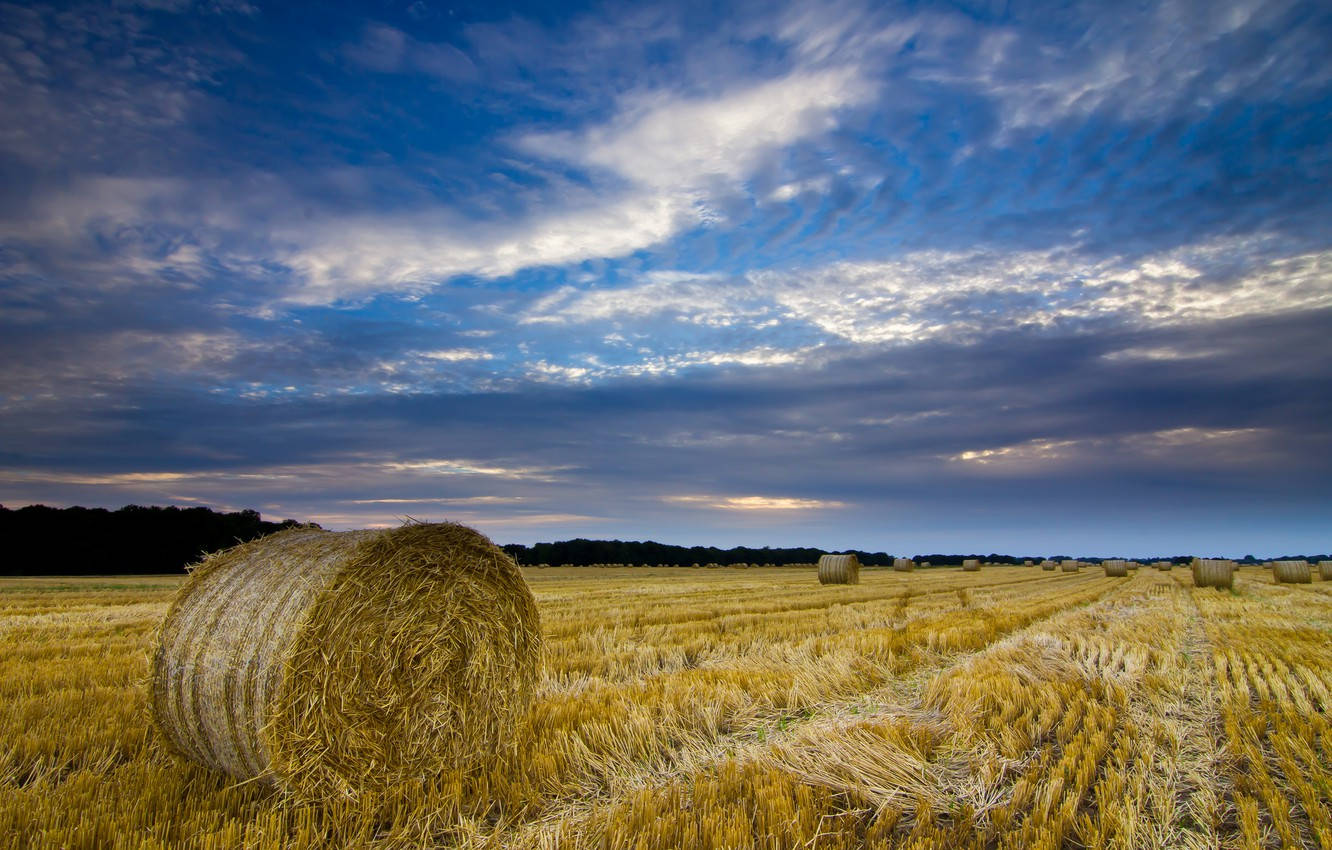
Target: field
[[730, 708]]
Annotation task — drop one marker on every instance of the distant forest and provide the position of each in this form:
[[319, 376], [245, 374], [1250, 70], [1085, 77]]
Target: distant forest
[[133, 540], [581, 552], [39, 540]]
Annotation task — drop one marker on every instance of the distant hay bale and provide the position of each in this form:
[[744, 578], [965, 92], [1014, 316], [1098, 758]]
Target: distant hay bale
[[839, 569], [1116, 567], [1291, 572], [903, 565], [1325, 570], [971, 565], [1213, 572], [1070, 566], [1026, 563], [1048, 565], [335, 664], [1164, 566], [924, 563]]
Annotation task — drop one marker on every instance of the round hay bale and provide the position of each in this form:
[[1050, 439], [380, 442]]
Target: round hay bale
[[971, 565], [1325, 570], [903, 565], [334, 664], [1048, 565], [1069, 566], [1291, 572], [1213, 572], [1027, 563], [1115, 567], [839, 569]]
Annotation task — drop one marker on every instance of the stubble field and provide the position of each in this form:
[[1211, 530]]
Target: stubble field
[[728, 708]]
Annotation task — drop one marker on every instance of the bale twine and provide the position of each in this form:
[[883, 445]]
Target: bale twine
[[1213, 572], [839, 569], [1115, 567], [1048, 565], [335, 664], [971, 565], [1292, 572], [903, 565], [1069, 566], [1325, 570]]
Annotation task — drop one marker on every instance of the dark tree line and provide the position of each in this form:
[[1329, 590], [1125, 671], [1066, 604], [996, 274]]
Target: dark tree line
[[581, 552], [38, 540]]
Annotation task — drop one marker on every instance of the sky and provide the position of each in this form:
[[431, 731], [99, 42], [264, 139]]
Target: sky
[[907, 277]]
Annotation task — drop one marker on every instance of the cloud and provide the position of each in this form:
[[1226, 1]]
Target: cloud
[[387, 49], [1173, 446], [662, 161], [959, 295], [755, 503]]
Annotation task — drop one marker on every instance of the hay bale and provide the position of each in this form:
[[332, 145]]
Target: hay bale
[[839, 569], [971, 565], [1070, 566], [1116, 567], [1325, 570], [1048, 565], [1291, 572], [1027, 563], [348, 663], [1213, 572], [903, 565]]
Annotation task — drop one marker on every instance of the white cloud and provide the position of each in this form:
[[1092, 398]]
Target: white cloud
[[455, 355], [666, 158], [954, 295], [755, 503], [1174, 445]]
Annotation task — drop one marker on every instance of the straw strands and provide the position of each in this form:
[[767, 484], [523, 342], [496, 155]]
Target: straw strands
[[1325, 570], [334, 664], [839, 569], [1291, 572], [1116, 567], [1213, 572]]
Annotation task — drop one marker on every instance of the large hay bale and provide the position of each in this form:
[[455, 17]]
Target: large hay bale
[[1213, 572], [1048, 565], [971, 565], [1115, 567], [337, 664], [903, 565], [1291, 572], [839, 569], [1325, 570], [1069, 566]]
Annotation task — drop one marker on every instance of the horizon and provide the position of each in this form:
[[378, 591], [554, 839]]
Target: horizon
[[942, 277], [1027, 553]]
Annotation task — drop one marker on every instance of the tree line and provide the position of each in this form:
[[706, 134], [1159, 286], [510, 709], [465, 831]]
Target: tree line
[[39, 540]]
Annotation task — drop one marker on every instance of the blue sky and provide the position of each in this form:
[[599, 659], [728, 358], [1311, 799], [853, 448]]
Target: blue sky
[[1027, 277]]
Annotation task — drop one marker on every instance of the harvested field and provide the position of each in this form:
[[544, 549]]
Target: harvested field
[[723, 708]]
